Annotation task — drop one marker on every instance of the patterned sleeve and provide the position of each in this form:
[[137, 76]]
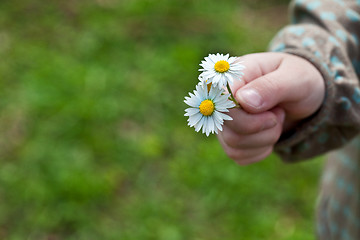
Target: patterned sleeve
[[327, 34]]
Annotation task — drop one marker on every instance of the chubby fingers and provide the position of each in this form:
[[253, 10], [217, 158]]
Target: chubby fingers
[[250, 137], [247, 157], [246, 123]]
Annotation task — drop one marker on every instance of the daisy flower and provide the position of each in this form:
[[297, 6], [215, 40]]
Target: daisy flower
[[206, 107], [220, 69]]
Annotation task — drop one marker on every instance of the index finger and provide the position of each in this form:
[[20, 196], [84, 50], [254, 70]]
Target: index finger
[[246, 123]]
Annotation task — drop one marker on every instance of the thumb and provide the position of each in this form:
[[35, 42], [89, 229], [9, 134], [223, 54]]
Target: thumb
[[294, 84], [263, 93], [295, 81]]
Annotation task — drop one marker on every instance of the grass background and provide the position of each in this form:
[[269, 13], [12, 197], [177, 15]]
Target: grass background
[[94, 144]]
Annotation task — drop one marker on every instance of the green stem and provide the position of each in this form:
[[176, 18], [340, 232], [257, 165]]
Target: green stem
[[232, 98]]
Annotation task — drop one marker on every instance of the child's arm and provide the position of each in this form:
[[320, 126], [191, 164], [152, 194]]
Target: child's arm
[[325, 34]]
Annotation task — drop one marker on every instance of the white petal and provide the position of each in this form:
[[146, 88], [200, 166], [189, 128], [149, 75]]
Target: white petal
[[209, 65], [218, 58], [208, 74], [211, 124], [199, 124], [224, 107], [218, 125], [201, 79], [215, 92], [217, 117], [195, 119], [222, 81], [217, 78], [191, 111], [237, 67], [204, 127], [192, 102], [231, 60], [229, 78], [203, 91], [225, 117], [221, 99], [212, 92], [210, 59], [200, 93]]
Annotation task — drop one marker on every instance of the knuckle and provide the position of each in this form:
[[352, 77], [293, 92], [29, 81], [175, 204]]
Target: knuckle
[[274, 138], [262, 154], [268, 152], [235, 155], [254, 127], [252, 124], [231, 139]]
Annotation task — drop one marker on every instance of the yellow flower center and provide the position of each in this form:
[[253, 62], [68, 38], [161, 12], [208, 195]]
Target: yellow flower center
[[207, 107], [222, 66]]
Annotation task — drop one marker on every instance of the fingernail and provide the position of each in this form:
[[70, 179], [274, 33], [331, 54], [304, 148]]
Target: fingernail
[[251, 97], [269, 124]]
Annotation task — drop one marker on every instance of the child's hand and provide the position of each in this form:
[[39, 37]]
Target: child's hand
[[278, 91]]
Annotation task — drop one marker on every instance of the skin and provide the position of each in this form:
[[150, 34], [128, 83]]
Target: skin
[[277, 92]]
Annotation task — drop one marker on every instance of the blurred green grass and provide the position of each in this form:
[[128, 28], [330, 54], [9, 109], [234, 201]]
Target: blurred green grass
[[94, 144]]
